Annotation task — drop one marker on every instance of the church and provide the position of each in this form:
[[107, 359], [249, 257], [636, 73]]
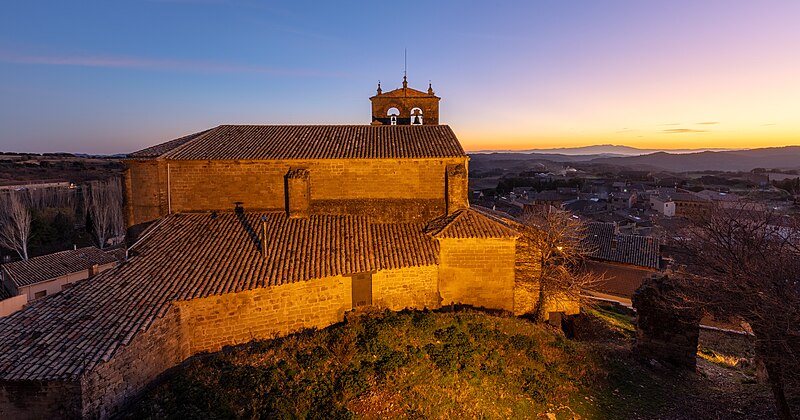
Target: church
[[252, 232]]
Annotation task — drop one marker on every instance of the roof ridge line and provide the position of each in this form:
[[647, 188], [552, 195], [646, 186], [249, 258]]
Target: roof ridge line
[[167, 154]]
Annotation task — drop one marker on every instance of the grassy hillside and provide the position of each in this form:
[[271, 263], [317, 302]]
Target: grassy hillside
[[444, 365]]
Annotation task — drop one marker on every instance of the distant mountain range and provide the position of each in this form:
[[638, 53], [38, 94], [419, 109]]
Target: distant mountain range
[[609, 150], [673, 161]]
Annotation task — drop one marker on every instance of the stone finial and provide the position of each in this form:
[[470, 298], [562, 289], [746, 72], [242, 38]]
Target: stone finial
[[430, 88], [379, 87], [405, 82]]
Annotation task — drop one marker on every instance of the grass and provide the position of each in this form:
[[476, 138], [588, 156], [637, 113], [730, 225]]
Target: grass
[[458, 365], [720, 359], [384, 364]]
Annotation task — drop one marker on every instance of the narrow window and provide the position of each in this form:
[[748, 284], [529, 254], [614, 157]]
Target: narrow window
[[39, 295]]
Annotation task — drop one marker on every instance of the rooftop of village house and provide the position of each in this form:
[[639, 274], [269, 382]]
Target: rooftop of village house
[[46, 267]]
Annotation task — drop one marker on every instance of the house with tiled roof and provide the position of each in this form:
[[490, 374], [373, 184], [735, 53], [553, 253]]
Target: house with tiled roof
[[253, 232], [35, 278], [622, 260]]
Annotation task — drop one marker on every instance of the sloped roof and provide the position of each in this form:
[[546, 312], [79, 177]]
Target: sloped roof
[[46, 267], [190, 256], [469, 223], [281, 142], [160, 149], [406, 93], [605, 244]]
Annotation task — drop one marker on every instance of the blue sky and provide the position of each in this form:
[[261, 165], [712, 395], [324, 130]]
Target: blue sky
[[116, 76]]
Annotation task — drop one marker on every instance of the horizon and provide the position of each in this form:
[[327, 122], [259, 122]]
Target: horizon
[[88, 78], [554, 150]]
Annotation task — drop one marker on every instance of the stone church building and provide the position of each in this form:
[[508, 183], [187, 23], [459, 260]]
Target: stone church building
[[257, 231]]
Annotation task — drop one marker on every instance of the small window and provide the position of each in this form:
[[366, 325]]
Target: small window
[[39, 295], [66, 286]]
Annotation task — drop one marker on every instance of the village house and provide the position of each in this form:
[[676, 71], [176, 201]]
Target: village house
[[257, 231], [623, 261], [26, 281]]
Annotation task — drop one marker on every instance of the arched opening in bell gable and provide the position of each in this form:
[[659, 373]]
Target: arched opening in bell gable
[[416, 116], [393, 113]]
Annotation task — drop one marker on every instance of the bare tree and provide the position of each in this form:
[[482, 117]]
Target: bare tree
[[58, 197], [15, 224], [551, 254], [103, 203], [741, 261]]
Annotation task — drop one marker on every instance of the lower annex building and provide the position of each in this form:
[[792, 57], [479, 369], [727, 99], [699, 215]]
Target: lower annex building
[[256, 232]]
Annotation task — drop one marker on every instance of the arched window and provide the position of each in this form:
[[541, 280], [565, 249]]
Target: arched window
[[416, 116]]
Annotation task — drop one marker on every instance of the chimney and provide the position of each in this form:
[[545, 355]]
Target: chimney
[[298, 193], [456, 189]]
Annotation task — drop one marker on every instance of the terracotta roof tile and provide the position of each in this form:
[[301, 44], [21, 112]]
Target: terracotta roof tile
[[46, 267], [607, 245], [193, 256], [277, 142], [399, 245], [470, 223], [160, 149]]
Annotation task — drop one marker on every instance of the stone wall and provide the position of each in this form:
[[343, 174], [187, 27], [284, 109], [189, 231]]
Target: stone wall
[[209, 324], [411, 287], [144, 192], [22, 400], [111, 385], [260, 185], [478, 272], [457, 188], [665, 332]]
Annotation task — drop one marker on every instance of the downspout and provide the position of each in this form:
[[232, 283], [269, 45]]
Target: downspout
[[169, 193]]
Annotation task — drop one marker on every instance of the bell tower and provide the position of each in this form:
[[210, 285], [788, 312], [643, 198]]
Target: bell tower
[[405, 106]]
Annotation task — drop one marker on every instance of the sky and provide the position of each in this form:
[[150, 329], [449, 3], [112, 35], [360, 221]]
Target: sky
[[115, 76]]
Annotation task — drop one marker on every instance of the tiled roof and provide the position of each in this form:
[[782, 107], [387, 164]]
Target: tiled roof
[[160, 149], [46, 267], [607, 245], [399, 245], [193, 256], [280, 142], [469, 223]]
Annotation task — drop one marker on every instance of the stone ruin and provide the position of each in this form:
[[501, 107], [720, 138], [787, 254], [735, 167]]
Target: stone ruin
[[665, 332]]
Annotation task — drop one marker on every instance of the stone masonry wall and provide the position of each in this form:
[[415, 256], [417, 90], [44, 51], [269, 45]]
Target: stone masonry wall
[[143, 191], [478, 272], [216, 185], [23, 400], [411, 287], [665, 331], [212, 323], [111, 385]]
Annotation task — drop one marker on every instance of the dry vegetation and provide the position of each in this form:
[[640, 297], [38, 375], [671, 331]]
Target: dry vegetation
[[464, 364]]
